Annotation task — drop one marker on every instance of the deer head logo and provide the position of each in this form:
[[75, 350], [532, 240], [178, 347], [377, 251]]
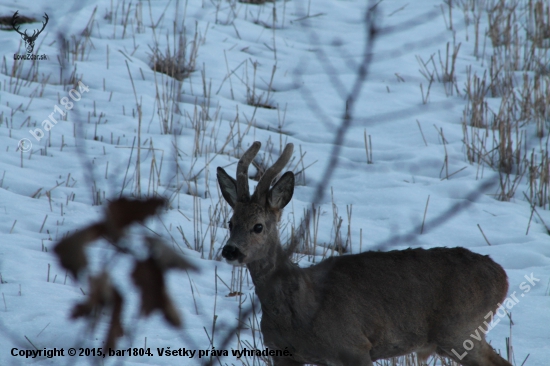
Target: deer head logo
[[29, 40]]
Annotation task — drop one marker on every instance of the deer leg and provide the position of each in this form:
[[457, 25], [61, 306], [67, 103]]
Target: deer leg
[[347, 359], [482, 354], [363, 361], [356, 359], [424, 353]]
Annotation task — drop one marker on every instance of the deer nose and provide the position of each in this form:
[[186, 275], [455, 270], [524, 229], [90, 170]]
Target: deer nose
[[230, 252]]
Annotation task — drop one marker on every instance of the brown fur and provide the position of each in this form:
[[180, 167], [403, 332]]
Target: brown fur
[[356, 309]]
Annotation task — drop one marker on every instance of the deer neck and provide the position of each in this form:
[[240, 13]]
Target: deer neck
[[280, 284], [274, 264]]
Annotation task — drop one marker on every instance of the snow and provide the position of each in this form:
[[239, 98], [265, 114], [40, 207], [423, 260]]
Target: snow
[[316, 59]]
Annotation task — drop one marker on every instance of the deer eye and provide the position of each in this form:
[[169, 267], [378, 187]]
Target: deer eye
[[258, 228], [230, 225]]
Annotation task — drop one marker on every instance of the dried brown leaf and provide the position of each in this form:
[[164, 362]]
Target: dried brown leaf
[[115, 329], [102, 295], [149, 277], [123, 212], [70, 250], [234, 293]]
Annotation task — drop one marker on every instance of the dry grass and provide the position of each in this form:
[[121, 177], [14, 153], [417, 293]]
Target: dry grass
[[178, 63], [502, 137], [254, 97]]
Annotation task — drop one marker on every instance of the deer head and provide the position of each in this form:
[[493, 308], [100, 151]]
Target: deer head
[[253, 226], [29, 40]]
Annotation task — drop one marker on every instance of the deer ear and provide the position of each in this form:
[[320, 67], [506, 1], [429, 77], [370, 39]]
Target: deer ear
[[281, 193], [228, 186]]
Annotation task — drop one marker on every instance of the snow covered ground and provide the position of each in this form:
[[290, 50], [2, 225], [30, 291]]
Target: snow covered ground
[[300, 58]]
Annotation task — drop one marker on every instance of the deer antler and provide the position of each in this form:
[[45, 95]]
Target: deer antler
[[271, 173], [29, 40], [43, 25], [243, 193], [34, 33], [14, 23]]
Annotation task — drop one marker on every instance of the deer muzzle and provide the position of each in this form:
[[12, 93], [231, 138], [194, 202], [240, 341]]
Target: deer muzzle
[[232, 254]]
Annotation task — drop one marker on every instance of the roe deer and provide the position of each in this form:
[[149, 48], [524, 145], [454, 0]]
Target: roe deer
[[355, 309]]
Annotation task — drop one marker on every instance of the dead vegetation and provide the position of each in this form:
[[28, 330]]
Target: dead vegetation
[[6, 21], [505, 122], [148, 274], [178, 63], [490, 140]]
